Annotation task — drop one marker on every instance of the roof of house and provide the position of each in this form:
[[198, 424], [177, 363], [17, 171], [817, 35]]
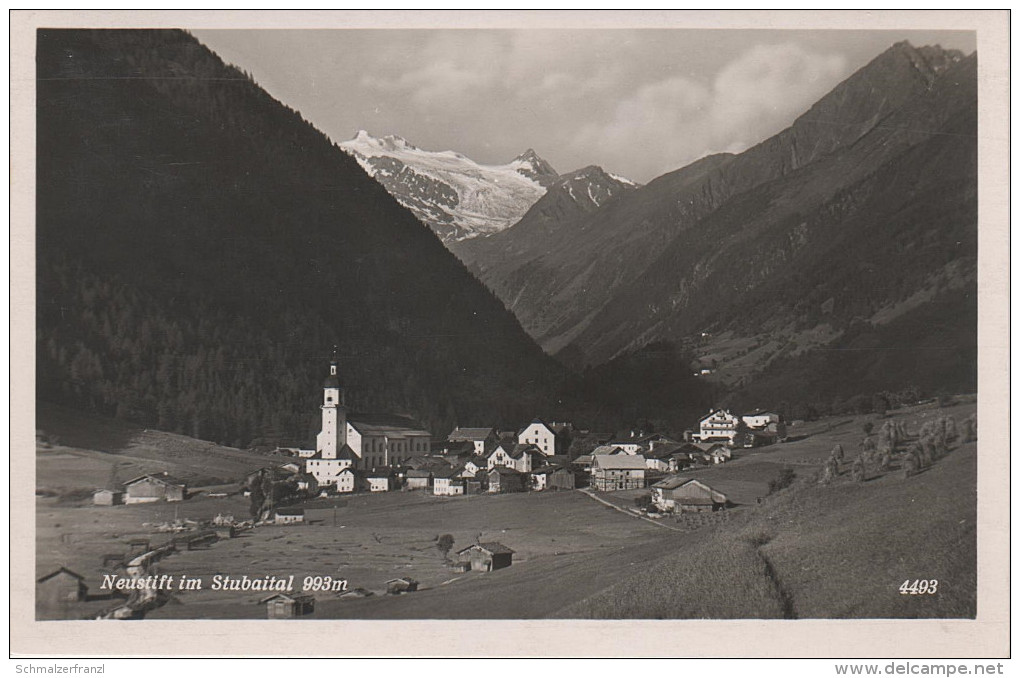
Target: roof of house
[[490, 547], [289, 511], [461, 434], [505, 471], [419, 473], [287, 597], [389, 425], [516, 451], [381, 472], [582, 459], [406, 580], [618, 461], [448, 472], [549, 468], [605, 449], [163, 478], [670, 483], [60, 570], [711, 414]]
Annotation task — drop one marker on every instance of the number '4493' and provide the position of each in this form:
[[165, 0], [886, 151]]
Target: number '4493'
[[919, 587]]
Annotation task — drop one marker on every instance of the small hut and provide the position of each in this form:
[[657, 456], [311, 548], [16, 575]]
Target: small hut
[[401, 585], [487, 556], [108, 497], [61, 586], [284, 606]]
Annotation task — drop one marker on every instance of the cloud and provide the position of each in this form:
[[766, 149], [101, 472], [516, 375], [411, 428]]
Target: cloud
[[673, 121]]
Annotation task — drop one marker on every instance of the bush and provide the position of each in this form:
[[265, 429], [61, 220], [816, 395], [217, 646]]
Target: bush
[[644, 501], [783, 480]]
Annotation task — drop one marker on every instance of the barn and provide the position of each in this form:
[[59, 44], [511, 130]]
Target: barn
[[154, 487], [108, 497], [486, 556], [60, 587], [284, 606]]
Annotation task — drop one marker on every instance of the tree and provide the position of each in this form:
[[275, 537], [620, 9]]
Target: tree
[[867, 427], [783, 480], [444, 544]]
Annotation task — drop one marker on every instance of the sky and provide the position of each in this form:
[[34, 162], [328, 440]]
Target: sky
[[639, 103]]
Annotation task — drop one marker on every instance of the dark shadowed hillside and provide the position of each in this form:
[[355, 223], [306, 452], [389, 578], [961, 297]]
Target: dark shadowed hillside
[[863, 211], [201, 248]]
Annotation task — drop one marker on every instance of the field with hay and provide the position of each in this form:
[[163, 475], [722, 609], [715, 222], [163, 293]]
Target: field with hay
[[805, 551]]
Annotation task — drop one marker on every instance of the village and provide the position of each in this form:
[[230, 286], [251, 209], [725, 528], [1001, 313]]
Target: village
[[673, 484]]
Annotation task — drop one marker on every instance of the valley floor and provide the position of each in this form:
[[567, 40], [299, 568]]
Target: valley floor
[[841, 550]]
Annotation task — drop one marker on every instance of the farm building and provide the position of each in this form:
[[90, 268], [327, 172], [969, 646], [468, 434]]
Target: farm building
[[60, 587], [487, 556], [617, 472], [687, 496], [447, 482], [582, 463], [401, 585], [419, 479], [553, 477], [284, 606], [154, 487], [503, 480], [289, 516], [108, 497]]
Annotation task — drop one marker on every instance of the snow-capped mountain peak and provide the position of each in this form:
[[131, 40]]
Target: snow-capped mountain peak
[[456, 196]]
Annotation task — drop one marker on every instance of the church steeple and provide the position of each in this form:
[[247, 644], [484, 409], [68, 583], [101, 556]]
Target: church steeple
[[333, 435]]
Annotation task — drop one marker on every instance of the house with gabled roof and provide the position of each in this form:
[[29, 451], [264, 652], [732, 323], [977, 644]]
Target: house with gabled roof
[[519, 457], [548, 438], [154, 487], [612, 472], [687, 495], [720, 425], [449, 482]]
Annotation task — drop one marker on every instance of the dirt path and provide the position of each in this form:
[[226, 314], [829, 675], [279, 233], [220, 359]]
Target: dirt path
[[624, 511]]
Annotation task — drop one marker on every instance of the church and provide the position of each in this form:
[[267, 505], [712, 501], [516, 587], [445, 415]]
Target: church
[[363, 442]]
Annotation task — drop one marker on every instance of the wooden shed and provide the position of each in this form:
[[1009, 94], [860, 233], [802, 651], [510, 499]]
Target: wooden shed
[[401, 585], [154, 487], [284, 606], [503, 480], [108, 497], [60, 587], [487, 556]]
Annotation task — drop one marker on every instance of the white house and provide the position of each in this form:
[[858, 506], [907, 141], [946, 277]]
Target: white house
[[518, 457], [550, 439], [447, 482], [719, 424], [760, 419], [344, 481]]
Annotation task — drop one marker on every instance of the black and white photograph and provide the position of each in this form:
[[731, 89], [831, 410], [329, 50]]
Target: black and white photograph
[[503, 323]]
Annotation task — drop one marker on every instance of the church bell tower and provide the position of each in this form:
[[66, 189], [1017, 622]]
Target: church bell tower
[[333, 435]]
